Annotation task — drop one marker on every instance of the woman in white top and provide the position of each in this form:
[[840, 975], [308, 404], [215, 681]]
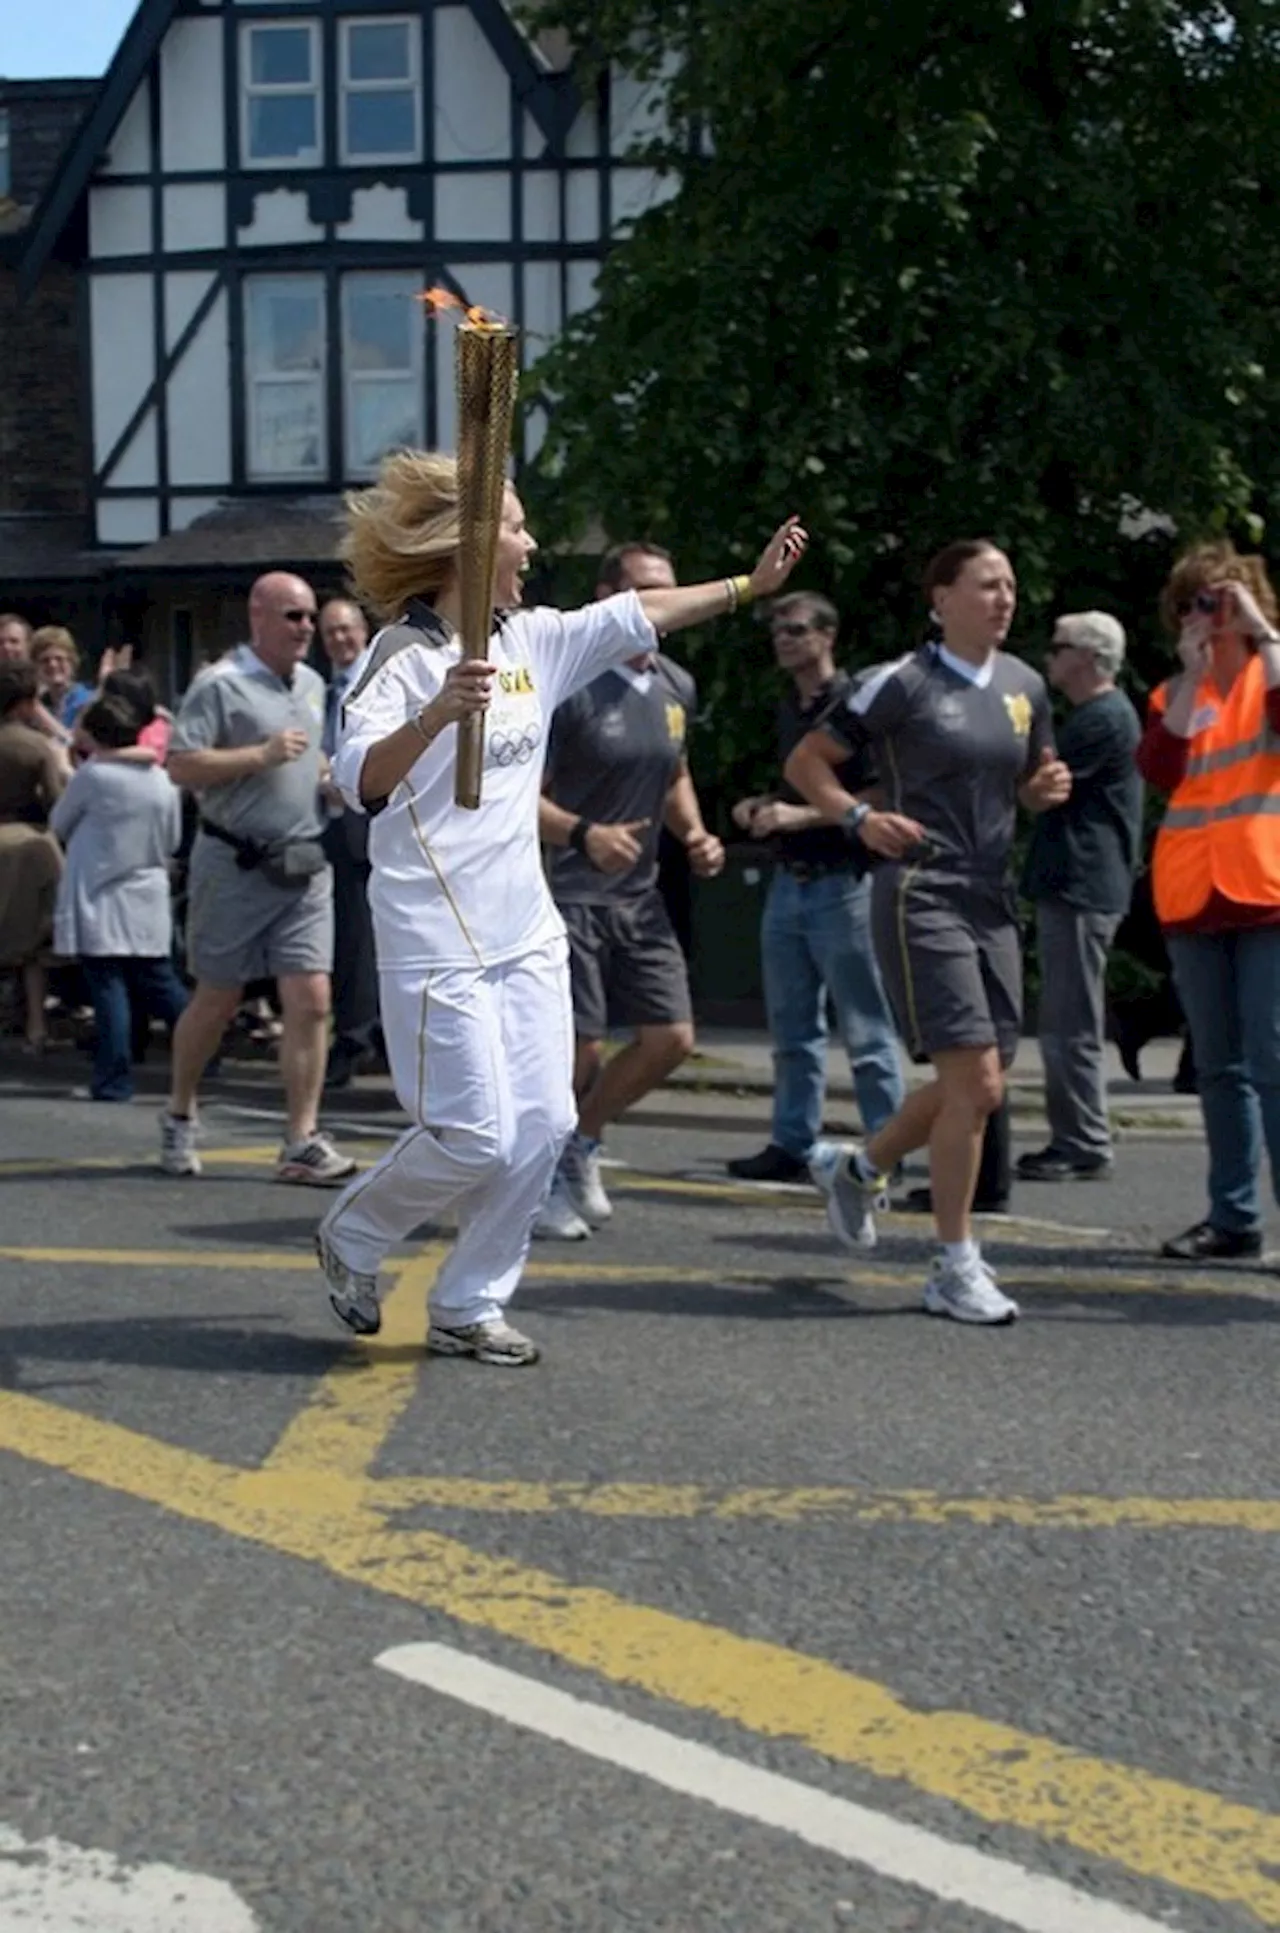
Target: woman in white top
[[472, 957]]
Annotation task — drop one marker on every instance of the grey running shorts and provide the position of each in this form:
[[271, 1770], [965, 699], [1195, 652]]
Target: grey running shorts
[[625, 966], [241, 926], [950, 955]]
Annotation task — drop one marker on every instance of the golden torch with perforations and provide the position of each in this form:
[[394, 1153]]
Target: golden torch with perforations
[[487, 363]]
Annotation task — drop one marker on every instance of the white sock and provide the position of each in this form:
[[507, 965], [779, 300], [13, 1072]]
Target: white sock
[[961, 1254], [865, 1170]]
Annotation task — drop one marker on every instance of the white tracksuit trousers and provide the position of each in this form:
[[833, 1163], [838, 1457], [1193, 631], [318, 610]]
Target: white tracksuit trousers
[[482, 1059]]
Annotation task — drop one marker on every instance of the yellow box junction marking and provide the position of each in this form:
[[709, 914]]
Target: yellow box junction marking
[[1154, 1826], [313, 1500], [804, 1505]]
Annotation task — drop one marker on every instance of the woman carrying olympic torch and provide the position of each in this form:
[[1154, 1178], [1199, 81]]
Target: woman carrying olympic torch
[[472, 957]]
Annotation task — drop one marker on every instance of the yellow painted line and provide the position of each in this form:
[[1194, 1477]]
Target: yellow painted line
[[247, 1259], [1154, 1826], [356, 1405], [518, 1497], [850, 1275]]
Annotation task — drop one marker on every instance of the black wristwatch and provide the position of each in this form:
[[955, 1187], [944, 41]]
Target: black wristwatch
[[577, 840], [854, 818]]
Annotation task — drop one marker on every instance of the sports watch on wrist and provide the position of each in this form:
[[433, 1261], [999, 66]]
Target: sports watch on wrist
[[854, 817]]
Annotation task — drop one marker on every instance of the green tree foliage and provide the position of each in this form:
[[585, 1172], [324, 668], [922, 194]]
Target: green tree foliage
[[930, 268]]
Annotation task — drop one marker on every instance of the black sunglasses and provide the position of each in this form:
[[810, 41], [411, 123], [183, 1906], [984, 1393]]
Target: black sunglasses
[[793, 629], [297, 617]]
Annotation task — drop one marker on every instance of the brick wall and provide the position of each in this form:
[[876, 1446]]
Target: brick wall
[[43, 415]]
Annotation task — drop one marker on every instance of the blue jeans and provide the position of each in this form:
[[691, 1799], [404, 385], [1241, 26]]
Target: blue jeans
[[115, 987], [815, 940], [1229, 986]]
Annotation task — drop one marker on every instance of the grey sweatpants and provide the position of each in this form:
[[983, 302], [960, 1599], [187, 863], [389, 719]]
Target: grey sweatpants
[[1073, 947]]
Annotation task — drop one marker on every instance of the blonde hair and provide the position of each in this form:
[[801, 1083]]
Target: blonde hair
[[402, 533], [55, 637]]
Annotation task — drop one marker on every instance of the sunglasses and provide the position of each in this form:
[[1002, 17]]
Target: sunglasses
[[299, 617], [1055, 645], [793, 629]]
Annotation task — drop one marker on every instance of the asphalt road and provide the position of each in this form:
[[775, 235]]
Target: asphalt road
[[1013, 1589]]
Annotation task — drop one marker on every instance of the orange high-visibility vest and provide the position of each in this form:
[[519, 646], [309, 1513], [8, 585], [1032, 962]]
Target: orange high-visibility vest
[[1222, 830]]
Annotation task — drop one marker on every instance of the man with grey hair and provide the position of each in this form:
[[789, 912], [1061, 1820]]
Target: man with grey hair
[[1080, 870]]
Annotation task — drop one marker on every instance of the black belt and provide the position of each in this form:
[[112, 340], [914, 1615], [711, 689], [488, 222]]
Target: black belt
[[803, 869]]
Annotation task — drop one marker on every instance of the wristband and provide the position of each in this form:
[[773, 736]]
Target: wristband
[[855, 818], [418, 726], [577, 840]]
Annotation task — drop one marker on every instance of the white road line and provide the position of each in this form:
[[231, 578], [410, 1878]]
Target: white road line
[[48, 1886], [999, 1888]]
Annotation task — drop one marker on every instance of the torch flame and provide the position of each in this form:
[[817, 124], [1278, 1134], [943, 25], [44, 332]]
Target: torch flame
[[439, 301]]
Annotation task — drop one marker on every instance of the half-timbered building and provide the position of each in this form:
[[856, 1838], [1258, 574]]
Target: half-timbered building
[[253, 201]]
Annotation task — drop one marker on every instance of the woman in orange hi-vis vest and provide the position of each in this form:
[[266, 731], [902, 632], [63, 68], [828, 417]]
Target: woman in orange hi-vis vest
[[1213, 742]]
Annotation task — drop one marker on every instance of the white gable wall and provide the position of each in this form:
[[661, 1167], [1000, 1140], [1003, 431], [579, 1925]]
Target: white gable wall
[[526, 247]]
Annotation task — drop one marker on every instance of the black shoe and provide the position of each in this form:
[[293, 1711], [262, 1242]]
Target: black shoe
[[919, 1201], [1049, 1165], [1128, 1046], [771, 1164], [1205, 1243]]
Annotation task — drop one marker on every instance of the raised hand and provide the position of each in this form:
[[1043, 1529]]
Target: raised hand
[[779, 558], [466, 690]]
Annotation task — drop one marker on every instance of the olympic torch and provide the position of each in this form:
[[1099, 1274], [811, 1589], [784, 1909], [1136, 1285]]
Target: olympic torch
[[488, 370]]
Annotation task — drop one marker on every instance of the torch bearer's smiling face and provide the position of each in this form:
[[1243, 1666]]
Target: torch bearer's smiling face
[[516, 546]]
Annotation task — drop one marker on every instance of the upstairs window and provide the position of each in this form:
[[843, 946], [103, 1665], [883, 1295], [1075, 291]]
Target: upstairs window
[[382, 362], [381, 94], [285, 355], [280, 108]]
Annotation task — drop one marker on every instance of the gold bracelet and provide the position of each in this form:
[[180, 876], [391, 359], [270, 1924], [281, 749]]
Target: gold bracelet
[[743, 591]]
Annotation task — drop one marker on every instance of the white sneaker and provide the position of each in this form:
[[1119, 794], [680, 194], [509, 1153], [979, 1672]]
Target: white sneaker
[[492, 1342], [852, 1203], [353, 1296], [314, 1163], [558, 1219], [579, 1171], [178, 1155], [967, 1292]]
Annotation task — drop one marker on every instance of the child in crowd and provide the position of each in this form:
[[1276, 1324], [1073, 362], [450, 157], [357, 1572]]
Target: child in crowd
[[120, 820]]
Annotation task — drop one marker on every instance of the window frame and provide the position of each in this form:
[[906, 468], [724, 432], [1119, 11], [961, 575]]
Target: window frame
[[251, 90], [315, 280], [351, 379], [346, 87]]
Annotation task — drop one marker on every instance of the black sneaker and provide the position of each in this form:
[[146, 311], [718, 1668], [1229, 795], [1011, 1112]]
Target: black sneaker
[[1205, 1243], [771, 1164], [1049, 1165]]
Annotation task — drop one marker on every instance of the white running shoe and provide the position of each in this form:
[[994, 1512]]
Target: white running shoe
[[558, 1219], [178, 1155], [492, 1342], [967, 1292], [353, 1296], [579, 1172], [314, 1163], [852, 1202]]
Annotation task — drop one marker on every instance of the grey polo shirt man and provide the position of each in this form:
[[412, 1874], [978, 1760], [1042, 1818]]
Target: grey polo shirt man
[[242, 926]]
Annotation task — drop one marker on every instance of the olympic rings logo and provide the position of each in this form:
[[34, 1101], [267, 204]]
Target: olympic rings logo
[[514, 748]]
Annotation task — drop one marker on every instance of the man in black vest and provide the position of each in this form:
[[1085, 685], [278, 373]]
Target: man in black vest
[[815, 938], [344, 634]]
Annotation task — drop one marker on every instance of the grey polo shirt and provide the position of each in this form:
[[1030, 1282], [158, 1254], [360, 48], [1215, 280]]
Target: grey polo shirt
[[614, 753], [951, 750], [239, 702]]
